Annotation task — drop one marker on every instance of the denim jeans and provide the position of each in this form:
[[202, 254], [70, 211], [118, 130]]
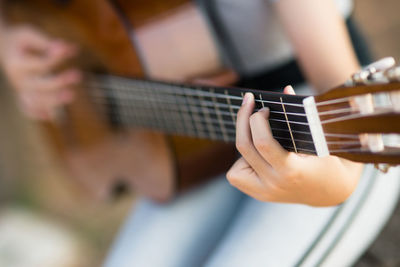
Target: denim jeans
[[216, 225]]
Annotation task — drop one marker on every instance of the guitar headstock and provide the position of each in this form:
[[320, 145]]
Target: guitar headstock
[[360, 120]]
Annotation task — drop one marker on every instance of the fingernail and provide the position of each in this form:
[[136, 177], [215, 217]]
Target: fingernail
[[56, 45], [74, 76], [289, 90], [246, 98], [66, 96]]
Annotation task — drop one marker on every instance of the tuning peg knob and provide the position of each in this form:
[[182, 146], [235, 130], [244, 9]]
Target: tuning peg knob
[[382, 64], [393, 74], [373, 73], [360, 77]]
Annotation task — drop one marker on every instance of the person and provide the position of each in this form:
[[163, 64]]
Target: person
[[217, 225], [40, 93]]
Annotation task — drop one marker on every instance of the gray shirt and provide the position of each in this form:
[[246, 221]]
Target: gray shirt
[[256, 34]]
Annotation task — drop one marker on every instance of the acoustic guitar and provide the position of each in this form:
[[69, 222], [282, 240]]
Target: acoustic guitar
[[140, 120]]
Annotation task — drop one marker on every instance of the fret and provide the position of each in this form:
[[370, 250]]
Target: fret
[[219, 116], [231, 112], [159, 117], [130, 110], [262, 102], [188, 117], [170, 100], [121, 108], [148, 95], [207, 117], [195, 116], [167, 119], [288, 124], [146, 110], [183, 115], [174, 109], [138, 113], [144, 113], [111, 103]]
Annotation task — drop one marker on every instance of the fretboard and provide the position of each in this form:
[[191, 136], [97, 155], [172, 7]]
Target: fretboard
[[199, 111]]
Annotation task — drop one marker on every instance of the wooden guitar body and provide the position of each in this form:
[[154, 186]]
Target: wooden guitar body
[[167, 40]]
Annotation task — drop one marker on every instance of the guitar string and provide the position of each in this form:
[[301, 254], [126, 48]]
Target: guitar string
[[350, 116], [228, 122], [218, 122], [231, 131], [140, 99], [231, 138], [193, 91], [133, 83], [221, 105], [238, 98], [333, 101], [274, 102], [140, 104], [193, 129], [300, 149], [130, 82], [195, 109], [336, 111], [220, 96], [209, 104], [349, 150]]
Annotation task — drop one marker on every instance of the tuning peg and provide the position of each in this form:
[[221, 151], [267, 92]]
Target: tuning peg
[[360, 77], [393, 74], [381, 65], [373, 73]]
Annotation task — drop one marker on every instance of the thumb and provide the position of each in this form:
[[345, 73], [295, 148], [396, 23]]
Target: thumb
[[289, 90]]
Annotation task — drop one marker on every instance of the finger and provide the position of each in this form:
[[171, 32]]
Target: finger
[[48, 101], [33, 107], [264, 141], [289, 90], [244, 142], [62, 49], [42, 106], [242, 176], [44, 63], [34, 40], [56, 82]]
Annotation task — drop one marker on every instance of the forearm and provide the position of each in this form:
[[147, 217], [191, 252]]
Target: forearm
[[320, 39], [2, 31], [2, 22]]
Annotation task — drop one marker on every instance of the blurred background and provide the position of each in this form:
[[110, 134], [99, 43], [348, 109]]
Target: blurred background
[[42, 211]]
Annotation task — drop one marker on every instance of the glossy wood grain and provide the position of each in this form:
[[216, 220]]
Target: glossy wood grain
[[97, 155]]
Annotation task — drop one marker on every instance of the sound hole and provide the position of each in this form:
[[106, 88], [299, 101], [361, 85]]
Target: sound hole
[[119, 189]]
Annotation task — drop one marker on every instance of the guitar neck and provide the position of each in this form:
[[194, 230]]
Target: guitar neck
[[199, 111]]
